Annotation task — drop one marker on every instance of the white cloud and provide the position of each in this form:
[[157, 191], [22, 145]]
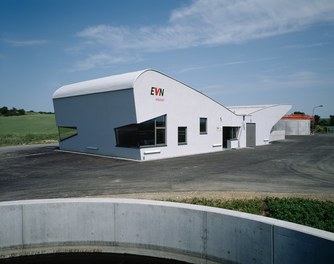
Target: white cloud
[[101, 60], [306, 46], [297, 80], [24, 43], [266, 84], [222, 64], [223, 21], [211, 23]]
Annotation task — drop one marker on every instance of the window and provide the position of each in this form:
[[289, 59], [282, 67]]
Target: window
[[203, 125], [148, 133], [67, 132], [160, 130], [182, 135]]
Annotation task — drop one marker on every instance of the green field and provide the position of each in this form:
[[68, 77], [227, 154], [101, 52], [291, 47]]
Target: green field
[[31, 128]]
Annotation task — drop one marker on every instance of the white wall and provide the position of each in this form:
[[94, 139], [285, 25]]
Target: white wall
[[184, 106], [277, 135], [96, 116], [265, 119]]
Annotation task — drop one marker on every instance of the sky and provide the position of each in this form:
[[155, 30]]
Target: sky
[[241, 52]]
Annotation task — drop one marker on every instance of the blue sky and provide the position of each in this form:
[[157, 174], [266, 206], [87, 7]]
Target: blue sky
[[237, 52]]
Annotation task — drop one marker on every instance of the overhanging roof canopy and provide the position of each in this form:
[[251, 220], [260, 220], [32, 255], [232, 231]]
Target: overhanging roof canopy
[[249, 109], [106, 84]]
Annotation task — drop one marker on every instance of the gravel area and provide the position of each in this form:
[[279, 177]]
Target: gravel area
[[300, 166]]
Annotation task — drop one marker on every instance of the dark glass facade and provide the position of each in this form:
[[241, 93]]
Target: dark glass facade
[[149, 133]]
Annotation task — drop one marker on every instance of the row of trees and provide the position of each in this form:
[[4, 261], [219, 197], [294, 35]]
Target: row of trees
[[324, 121], [4, 111]]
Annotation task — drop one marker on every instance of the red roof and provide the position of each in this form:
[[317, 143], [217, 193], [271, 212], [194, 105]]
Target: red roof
[[297, 117]]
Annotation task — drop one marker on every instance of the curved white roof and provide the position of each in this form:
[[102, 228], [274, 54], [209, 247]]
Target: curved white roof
[[249, 109], [106, 84]]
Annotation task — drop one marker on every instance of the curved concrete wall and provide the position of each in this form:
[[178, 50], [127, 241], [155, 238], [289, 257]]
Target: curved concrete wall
[[196, 234]]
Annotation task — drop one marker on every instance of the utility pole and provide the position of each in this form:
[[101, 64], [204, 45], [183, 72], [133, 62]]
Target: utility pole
[[313, 123]]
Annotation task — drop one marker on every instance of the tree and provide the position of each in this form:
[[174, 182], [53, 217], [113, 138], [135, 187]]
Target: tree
[[4, 110], [323, 122], [21, 112], [331, 120], [316, 119]]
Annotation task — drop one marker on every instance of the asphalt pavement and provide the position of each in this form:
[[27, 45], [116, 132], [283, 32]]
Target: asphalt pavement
[[300, 164]]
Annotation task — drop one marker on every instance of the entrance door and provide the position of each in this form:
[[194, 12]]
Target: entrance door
[[250, 135], [230, 134]]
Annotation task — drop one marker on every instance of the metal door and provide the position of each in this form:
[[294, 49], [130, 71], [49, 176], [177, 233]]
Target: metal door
[[250, 135]]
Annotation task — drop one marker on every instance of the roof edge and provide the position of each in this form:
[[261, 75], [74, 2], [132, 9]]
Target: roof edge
[[257, 108], [150, 69], [99, 85]]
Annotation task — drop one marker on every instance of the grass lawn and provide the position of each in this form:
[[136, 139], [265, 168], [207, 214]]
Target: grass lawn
[[313, 213], [27, 129]]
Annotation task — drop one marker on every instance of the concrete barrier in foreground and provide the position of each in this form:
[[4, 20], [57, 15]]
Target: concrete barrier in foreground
[[195, 234]]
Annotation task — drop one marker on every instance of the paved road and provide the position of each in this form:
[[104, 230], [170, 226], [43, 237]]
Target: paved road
[[302, 164]]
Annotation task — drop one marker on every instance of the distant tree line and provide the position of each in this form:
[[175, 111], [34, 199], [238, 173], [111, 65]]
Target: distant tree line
[[320, 121], [5, 111], [326, 121]]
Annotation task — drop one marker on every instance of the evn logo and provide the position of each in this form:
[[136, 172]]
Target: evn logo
[[157, 91]]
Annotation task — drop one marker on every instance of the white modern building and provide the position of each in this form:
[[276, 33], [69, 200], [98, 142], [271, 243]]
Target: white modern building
[[148, 115]]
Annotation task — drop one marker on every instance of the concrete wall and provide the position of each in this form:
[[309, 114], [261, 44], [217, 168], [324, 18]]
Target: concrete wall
[[196, 234]]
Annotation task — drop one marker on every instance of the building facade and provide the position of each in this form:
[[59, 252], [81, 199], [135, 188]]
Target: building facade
[[148, 115]]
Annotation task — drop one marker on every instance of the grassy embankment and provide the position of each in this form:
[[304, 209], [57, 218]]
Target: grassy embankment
[[313, 213], [32, 128]]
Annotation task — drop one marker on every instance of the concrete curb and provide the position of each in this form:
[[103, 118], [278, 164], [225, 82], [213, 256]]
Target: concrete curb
[[196, 234]]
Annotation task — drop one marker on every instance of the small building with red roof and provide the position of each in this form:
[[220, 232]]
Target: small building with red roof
[[295, 124]]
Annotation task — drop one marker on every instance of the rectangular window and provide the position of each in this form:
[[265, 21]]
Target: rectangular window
[[203, 125], [67, 132], [182, 135], [160, 136], [148, 133]]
